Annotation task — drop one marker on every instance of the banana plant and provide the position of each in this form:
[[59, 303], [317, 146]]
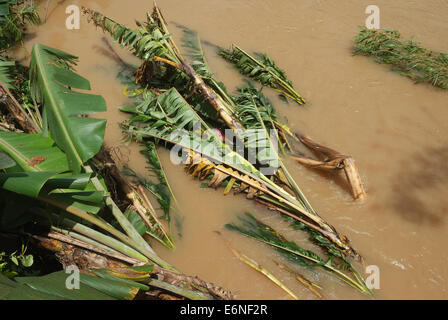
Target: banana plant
[[153, 43], [123, 283], [176, 95], [52, 81], [52, 165], [169, 119], [45, 178]]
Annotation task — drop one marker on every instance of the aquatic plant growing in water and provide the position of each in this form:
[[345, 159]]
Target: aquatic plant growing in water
[[408, 58]]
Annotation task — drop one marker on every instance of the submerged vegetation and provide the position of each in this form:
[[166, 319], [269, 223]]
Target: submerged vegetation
[[408, 58]]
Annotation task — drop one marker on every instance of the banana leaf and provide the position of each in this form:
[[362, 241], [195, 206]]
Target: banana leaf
[[6, 161], [53, 287], [6, 72], [195, 52], [52, 82], [255, 229], [169, 123], [42, 167], [263, 69]]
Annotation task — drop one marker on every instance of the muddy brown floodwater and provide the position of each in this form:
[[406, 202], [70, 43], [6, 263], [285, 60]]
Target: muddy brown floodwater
[[397, 132]]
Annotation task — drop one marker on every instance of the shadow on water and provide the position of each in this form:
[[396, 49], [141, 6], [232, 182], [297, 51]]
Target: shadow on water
[[419, 191]]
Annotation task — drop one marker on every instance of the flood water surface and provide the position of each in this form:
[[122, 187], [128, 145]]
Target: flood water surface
[[396, 130]]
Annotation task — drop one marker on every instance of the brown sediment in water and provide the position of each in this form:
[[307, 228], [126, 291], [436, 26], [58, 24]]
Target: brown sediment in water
[[394, 129]]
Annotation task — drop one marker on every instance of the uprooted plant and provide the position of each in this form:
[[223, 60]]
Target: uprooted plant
[[182, 105], [49, 178]]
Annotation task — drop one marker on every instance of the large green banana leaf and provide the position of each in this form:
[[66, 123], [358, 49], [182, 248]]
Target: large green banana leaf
[[52, 81], [41, 168], [33, 152], [31, 183], [53, 287]]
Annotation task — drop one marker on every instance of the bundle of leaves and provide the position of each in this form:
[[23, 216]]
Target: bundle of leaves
[[408, 58]]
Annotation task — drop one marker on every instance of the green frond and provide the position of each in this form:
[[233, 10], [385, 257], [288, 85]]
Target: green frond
[[255, 229], [168, 120], [248, 100], [262, 69], [195, 52], [146, 41]]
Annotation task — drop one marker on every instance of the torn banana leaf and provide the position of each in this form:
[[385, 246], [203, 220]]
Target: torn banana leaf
[[42, 169], [255, 229], [54, 287], [52, 83], [162, 190], [262, 69]]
